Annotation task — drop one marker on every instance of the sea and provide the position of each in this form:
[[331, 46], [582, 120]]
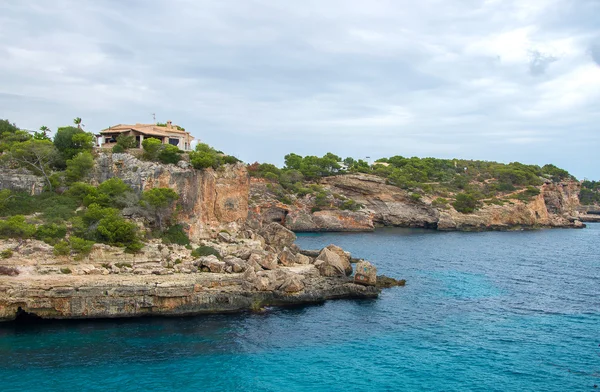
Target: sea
[[492, 311]]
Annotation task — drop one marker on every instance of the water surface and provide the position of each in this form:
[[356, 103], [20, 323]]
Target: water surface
[[514, 311]]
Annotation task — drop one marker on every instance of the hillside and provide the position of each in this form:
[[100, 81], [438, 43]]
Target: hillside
[[326, 193]]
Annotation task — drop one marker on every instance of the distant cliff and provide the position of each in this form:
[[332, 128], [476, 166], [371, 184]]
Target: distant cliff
[[387, 205]]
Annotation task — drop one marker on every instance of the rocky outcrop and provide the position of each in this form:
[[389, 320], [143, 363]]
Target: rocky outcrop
[[21, 180], [247, 272], [210, 199], [387, 205], [555, 206], [366, 274]]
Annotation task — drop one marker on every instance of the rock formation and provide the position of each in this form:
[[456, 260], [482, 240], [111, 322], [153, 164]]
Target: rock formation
[[250, 272], [387, 205]]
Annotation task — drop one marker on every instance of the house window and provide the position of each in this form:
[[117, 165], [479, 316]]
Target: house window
[[174, 142]]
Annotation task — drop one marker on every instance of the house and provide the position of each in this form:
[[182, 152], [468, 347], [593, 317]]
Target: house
[[380, 164], [167, 134]]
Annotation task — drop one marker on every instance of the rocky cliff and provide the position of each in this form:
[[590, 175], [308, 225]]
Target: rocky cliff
[[248, 272], [387, 205], [210, 200]]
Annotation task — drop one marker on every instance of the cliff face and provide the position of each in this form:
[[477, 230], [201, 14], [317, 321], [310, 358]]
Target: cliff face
[[387, 205], [210, 199], [555, 206]]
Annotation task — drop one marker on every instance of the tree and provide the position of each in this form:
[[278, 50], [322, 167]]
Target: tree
[[160, 202], [169, 154], [79, 166], [465, 203], [77, 121], [151, 148], [126, 142], [70, 141], [36, 155]]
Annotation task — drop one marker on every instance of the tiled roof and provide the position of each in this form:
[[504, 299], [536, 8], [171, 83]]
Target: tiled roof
[[148, 129]]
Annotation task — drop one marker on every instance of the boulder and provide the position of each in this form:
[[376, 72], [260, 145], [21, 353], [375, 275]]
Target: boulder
[[287, 258], [237, 265], [277, 235], [212, 263], [224, 237], [265, 260], [302, 259], [292, 284], [344, 256], [366, 274], [330, 264]]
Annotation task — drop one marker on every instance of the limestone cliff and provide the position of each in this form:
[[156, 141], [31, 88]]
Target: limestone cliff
[[210, 199], [387, 205]]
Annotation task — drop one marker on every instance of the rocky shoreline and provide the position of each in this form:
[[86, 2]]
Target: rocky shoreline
[[253, 270], [384, 205]]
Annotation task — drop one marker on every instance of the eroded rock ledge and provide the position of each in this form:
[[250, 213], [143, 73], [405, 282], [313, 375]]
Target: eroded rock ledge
[[254, 269]]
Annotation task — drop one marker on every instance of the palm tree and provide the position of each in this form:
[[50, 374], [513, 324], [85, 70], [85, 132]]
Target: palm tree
[[77, 121], [45, 130]]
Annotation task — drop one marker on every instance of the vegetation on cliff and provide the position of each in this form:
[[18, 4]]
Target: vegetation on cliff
[[590, 192], [71, 214], [464, 184]]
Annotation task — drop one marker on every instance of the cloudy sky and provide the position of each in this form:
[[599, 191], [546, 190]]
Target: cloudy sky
[[497, 79]]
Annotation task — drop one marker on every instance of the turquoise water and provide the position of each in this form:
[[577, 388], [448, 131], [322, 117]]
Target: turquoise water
[[480, 312]]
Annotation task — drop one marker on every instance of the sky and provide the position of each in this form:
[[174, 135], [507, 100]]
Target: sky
[[504, 80]]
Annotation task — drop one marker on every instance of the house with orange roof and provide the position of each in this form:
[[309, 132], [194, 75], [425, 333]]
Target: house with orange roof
[[167, 133]]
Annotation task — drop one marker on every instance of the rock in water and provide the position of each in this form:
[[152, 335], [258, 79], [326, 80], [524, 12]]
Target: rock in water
[[386, 282], [366, 274]]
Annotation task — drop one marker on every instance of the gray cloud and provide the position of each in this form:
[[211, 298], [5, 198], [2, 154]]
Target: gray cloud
[[595, 51], [539, 62], [260, 78]]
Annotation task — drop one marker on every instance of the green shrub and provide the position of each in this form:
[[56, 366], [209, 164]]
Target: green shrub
[[230, 160], [350, 205], [50, 232], [271, 177], [79, 166], [415, 197], [205, 251], [285, 200], [118, 149], [175, 235], [65, 270], [62, 248], [151, 148], [125, 142], [79, 246], [161, 203], [169, 154], [16, 227], [115, 230], [465, 203], [6, 253], [111, 193], [440, 202], [79, 190]]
